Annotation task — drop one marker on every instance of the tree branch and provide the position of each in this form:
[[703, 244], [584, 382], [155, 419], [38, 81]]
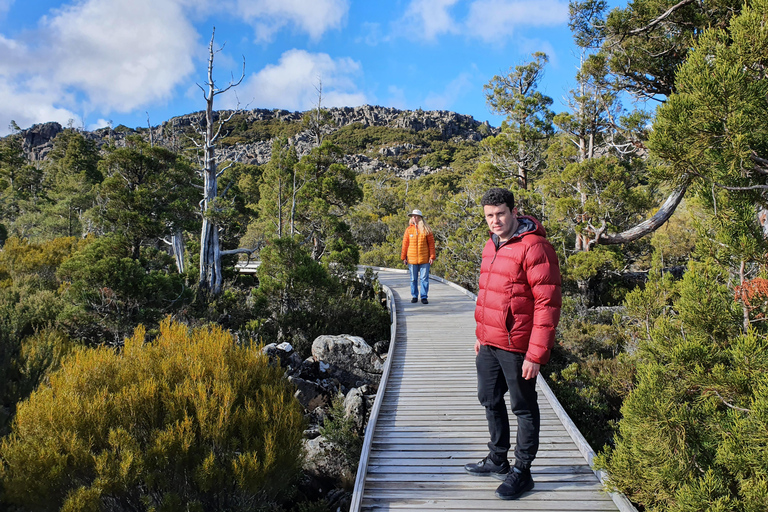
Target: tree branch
[[650, 225], [660, 18], [239, 251], [730, 405], [762, 164]]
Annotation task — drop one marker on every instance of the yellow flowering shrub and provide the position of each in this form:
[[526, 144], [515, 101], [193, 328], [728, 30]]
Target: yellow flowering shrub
[[190, 421]]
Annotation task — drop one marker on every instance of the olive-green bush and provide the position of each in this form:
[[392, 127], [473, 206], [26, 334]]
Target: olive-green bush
[[189, 421]]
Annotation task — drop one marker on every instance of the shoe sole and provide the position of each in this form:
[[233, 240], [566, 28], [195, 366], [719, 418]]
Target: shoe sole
[[501, 476], [514, 496]]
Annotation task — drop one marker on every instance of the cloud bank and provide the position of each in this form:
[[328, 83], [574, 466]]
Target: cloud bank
[[102, 56], [294, 81], [487, 20]]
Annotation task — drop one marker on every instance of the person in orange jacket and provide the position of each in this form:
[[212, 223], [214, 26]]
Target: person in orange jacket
[[418, 253]]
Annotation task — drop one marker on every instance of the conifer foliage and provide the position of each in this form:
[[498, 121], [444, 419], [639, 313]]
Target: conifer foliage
[[190, 418], [694, 434]]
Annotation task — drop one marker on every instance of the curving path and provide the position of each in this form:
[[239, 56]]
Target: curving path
[[427, 422]]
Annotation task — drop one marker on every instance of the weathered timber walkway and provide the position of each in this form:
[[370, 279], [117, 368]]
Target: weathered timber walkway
[[427, 423]]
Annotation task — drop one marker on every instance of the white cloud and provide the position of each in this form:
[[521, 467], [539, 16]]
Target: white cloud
[[122, 54], [4, 6], [457, 88], [427, 19], [292, 83], [314, 17], [96, 55], [493, 20], [28, 105], [103, 56], [488, 20], [101, 123], [372, 34]]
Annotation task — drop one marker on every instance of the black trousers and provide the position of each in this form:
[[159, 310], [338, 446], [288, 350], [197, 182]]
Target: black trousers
[[499, 371]]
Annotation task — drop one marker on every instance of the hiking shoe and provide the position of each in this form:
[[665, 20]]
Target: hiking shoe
[[487, 467], [424, 301], [414, 300], [517, 482]]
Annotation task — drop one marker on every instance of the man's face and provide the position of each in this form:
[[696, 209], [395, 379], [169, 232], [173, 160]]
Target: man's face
[[501, 221]]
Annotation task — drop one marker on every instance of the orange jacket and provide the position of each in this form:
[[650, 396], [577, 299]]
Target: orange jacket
[[417, 247]]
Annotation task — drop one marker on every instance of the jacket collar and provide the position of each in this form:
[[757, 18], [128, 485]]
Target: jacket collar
[[525, 226]]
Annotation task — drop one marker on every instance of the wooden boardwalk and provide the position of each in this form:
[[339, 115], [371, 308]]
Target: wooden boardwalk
[[427, 422]]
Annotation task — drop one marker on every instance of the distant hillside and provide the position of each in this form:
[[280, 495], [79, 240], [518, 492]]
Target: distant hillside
[[408, 143]]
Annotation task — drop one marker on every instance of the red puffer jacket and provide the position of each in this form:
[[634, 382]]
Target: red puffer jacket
[[518, 305]]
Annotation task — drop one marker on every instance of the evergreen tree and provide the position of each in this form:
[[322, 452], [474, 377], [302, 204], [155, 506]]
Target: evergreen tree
[[147, 194], [698, 380], [276, 192], [644, 43], [519, 149], [70, 176]]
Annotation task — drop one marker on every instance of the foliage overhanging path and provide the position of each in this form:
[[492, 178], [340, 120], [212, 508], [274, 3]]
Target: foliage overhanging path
[[430, 423]]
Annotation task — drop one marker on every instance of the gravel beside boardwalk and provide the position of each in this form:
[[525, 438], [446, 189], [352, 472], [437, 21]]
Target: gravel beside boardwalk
[[429, 422]]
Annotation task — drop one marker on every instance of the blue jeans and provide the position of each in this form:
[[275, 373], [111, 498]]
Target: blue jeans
[[419, 280], [499, 372]]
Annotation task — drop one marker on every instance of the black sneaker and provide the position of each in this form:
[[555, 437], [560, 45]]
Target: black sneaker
[[414, 300], [424, 301], [517, 482], [487, 467]]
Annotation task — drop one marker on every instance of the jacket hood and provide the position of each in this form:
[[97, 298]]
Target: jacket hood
[[526, 225]]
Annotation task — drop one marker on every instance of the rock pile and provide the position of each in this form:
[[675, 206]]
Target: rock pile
[[339, 365]]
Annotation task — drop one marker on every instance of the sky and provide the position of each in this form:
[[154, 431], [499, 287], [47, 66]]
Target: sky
[[91, 63]]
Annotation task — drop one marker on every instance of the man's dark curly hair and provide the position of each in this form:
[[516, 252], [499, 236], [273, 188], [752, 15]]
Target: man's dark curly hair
[[498, 196]]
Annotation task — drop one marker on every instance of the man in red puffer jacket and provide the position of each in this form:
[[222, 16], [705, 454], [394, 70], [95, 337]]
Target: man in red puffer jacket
[[517, 311]]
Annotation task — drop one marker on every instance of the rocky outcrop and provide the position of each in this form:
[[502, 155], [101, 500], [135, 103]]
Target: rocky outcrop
[[400, 159], [339, 365], [349, 359], [37, 141]]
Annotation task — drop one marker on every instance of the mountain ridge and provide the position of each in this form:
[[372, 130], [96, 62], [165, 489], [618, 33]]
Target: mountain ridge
[[238, 143]]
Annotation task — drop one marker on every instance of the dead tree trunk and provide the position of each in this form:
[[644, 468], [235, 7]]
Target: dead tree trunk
[[648, 226], [210, 280]]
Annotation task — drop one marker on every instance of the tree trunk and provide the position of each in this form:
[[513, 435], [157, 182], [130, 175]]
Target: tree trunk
[[744, 309], [210, 251], [177, 246], [210, 258], [293, 204], [650, 225], [279, 208]]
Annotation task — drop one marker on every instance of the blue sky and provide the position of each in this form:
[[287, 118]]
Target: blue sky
[[121, 61]]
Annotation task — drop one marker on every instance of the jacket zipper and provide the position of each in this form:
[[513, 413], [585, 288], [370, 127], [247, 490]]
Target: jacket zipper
[[509, 333]]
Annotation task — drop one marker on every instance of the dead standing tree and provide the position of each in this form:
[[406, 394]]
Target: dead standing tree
[[210, 250]]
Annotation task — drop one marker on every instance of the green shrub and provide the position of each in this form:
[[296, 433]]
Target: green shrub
[[189, 421], [345, 442], [110, 292], [24, 364]]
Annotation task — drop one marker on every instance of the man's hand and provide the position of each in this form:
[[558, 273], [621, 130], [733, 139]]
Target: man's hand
[[530, 370], [431, 260], [477, 346]]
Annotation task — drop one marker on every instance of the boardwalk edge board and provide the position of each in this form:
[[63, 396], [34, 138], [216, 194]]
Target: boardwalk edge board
[[362, 468], [586, 450]]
